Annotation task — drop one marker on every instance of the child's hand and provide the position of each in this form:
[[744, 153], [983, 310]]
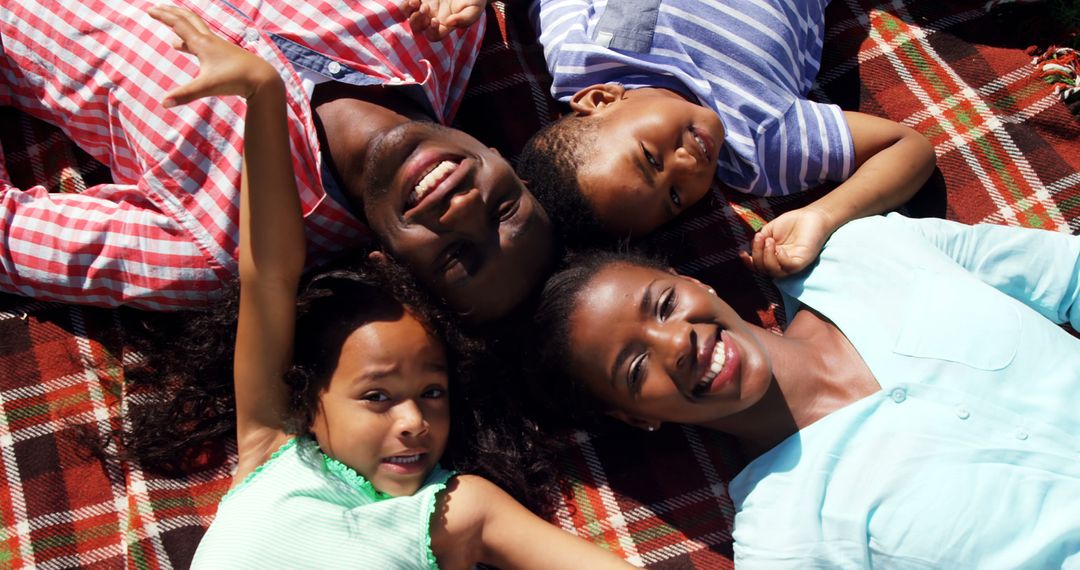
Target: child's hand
[[789, 243], [436, 18], [224, 68]]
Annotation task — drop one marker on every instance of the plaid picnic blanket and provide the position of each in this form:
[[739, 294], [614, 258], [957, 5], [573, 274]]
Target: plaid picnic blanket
[[1008, 153]]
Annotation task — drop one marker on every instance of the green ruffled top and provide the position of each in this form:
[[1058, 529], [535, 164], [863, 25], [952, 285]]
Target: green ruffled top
[[303, 508]]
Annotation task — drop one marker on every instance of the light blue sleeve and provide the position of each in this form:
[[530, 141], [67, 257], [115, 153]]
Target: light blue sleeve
[[1036, 267]]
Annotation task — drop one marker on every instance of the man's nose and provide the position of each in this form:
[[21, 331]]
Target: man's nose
[[466, 215]]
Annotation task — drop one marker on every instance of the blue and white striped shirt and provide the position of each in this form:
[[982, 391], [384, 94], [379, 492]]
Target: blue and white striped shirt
[[751, 61]]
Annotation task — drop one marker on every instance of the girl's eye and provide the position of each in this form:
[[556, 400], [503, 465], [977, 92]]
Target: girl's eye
[[636, 373], [651, 159], [435, 393], [675, 197], [666, 305], [374, 397]]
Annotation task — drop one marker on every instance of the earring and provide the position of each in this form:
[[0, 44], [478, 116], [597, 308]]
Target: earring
[[650, 428], [711, 291]]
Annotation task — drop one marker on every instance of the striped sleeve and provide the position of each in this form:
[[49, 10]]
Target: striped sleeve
[[810, 144]]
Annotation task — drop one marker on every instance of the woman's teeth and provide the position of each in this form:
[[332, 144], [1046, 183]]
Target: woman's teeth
[[404, 459], [430, 180], [719, 356]]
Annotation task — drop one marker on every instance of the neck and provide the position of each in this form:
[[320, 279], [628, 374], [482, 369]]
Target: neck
[[816, 371], [350, 118]]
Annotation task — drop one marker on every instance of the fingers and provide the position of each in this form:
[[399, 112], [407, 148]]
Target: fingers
[[763, 256]]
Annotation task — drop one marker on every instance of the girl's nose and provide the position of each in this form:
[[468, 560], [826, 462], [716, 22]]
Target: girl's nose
[[410, 419]]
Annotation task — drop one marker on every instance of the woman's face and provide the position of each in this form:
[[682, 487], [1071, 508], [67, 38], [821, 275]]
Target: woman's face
[[386, 412], [658, 347]]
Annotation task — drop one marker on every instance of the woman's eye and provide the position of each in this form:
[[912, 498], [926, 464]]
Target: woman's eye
[[675, 199], [651, 159], [666, 306], [374, 397], [636, 373]]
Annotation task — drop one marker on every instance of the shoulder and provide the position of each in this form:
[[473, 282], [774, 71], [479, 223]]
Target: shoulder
[[458, 521]]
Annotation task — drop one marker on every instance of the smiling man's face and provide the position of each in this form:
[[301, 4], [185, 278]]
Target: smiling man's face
[[454, 212]]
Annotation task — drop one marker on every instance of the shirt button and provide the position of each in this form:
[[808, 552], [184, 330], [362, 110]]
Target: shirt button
[[898, 395], [334, 68], [251, 34], [1021, 434], [962, 412]]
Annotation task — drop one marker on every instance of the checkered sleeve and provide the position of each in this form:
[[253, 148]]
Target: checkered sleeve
[[107, 246], [161, 237]]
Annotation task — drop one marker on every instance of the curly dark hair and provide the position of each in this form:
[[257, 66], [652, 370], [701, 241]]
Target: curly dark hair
[[549, 164], [186, 402], [559, 394]]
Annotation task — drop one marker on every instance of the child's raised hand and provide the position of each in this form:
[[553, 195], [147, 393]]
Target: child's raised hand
[[224, 68], [436, 18], [789, 243]]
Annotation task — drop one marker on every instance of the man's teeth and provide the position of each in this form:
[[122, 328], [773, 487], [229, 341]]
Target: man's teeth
[[719, 356], [431, 180], [404, 459]]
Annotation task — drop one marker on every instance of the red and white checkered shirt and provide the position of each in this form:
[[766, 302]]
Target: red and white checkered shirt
[[164, 234]]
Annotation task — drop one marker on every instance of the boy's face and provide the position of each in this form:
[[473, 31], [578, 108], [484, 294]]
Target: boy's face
[[655, 156]]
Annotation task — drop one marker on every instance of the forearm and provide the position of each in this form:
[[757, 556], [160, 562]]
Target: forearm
[[116, 249], [272, 234], [884, 181]]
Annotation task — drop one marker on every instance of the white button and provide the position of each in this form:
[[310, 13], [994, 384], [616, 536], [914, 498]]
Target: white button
[[334, 68], [962, 412], [1021, 434], [251, 34], [898, 395]]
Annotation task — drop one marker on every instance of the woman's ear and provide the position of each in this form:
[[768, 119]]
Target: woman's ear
[[635, 421], [596, 98]]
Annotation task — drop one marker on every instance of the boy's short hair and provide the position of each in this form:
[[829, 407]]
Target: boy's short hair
[[549, 165]]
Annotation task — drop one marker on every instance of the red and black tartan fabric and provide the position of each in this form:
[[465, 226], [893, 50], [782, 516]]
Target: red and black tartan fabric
[[1008, 153]]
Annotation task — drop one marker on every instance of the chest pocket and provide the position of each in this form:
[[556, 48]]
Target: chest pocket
[[627, 25], [968, 323]]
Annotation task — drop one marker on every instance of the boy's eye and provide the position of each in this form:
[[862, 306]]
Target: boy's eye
[[374, 397], [651, 159], [675, 199]]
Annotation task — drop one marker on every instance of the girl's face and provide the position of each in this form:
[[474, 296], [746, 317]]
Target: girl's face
[[657, 347], [386, 411]]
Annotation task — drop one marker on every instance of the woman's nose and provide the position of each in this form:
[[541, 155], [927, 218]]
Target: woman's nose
[[675, 342]]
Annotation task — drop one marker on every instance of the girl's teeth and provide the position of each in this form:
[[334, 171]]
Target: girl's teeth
[[404, 459], [701, 145], [719, 356]]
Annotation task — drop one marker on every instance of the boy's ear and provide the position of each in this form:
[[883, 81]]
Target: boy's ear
[[596, 97], [634, 421]]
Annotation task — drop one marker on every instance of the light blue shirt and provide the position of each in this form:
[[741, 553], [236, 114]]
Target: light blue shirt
[[750, 61], [969, 456]]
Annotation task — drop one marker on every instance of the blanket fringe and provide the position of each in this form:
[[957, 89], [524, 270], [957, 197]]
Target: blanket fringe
[[1058, 67]]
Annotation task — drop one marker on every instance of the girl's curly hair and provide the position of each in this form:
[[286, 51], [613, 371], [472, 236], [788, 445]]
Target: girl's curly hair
[[183, 404]]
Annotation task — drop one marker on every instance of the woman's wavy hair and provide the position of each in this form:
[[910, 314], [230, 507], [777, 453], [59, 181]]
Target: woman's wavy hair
[[184, 403]]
